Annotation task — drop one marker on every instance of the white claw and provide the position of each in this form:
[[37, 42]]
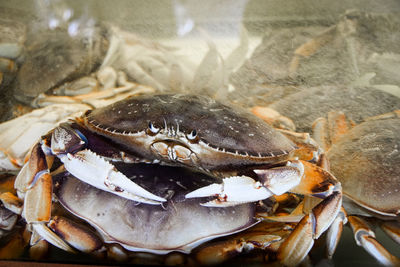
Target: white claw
[[233, 191], [220, 204], [96, 171], [206, 191]]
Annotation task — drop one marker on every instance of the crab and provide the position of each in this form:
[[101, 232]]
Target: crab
[[12, 36], [364, 159], [249, 160], [20, 134], [179, 224]]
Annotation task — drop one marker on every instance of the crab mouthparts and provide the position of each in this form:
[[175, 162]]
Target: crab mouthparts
[[173, 151]]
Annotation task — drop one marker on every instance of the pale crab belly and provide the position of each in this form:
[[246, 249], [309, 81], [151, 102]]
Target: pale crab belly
[[179, 225]]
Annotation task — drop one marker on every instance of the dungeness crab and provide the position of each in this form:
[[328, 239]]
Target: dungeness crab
[[249, 160], [364, 158]]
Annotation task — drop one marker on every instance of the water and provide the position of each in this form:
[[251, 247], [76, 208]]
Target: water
[[302, 58]]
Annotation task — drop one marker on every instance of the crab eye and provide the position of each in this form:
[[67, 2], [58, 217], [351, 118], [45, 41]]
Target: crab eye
[[192, 136], [152, 130]]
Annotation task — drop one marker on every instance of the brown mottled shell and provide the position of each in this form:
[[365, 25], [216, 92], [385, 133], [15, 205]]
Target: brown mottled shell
[[366, 162], [217, 126]]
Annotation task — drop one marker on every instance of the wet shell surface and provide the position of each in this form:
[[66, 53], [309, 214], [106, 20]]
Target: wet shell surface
[[198, 123], [366, 162]]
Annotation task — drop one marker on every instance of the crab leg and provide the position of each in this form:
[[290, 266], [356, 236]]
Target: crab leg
[[392, 229], [34, 183], [296, 247], [76, 235], [38, 202], [37, 210], [365, 237], [328, 131], [316, 183], [265, 235], [335, 232]]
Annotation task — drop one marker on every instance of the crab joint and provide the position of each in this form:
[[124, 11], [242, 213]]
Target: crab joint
[[281, 179], [65, 139]]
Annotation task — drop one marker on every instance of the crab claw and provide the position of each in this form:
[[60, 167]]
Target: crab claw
[[96, 171], [233, 191]]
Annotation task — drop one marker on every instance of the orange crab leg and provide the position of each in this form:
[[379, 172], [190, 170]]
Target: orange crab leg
[[265, 235], [328, 131], [338, 125], [296, 247], [335, 232], [320, 183], [36, 164], [308, 148], [320, 133], [311, 47], [365, 237], [273, 118], [298, 244], [11, 202], [37, 207], [75, 234], [13, 248], [392, 229], [391, 115], [35, 182]]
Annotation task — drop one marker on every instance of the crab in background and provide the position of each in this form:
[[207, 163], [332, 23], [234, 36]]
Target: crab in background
[[248, 160], [364, 159]]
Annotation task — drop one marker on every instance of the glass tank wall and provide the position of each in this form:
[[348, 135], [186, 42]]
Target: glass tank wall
[[303, 60]]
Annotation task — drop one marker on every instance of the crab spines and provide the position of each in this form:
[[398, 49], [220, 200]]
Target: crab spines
[[96, 171]]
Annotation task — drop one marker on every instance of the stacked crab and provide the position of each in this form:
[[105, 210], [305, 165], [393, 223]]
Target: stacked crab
[[163, 173], [341, 69]]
